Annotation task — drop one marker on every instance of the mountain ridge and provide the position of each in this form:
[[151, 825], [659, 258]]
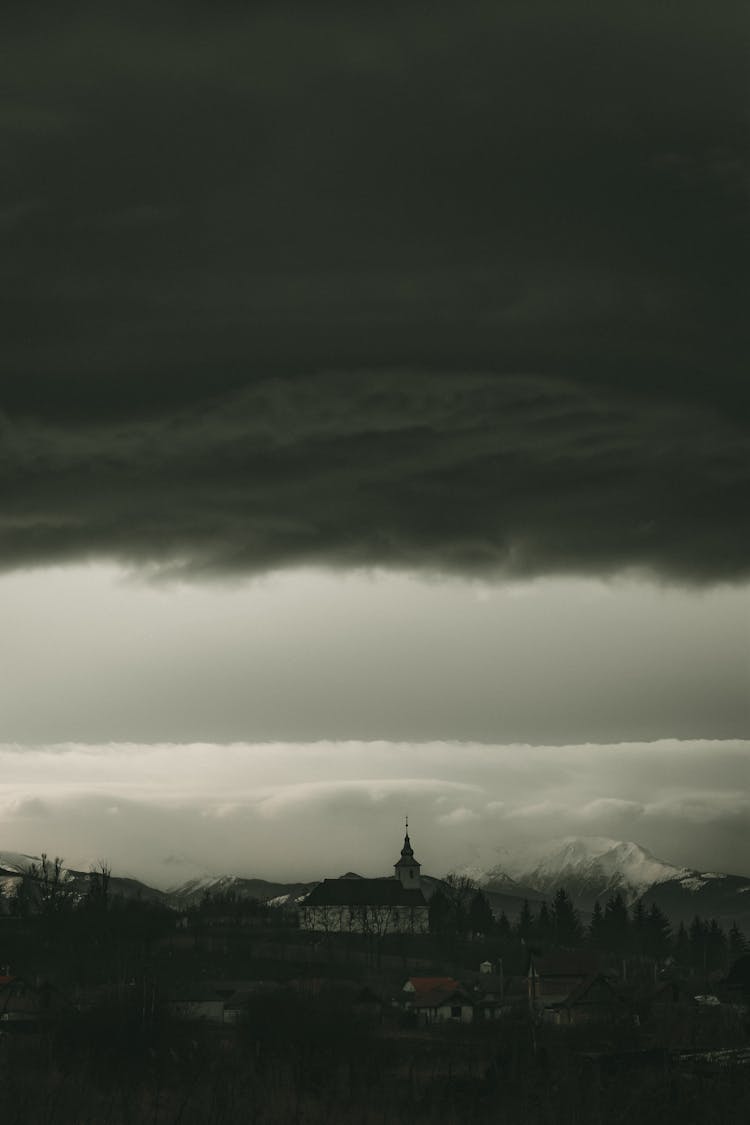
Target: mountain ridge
[[589, 868], [593, 868]]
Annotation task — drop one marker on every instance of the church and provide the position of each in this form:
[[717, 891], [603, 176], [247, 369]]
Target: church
[[392, 905]]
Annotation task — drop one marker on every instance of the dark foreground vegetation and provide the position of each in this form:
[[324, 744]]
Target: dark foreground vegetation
[[305, 1060], [321, 1034]]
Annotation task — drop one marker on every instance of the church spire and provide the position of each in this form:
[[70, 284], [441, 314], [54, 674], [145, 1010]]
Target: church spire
[[407, 867]]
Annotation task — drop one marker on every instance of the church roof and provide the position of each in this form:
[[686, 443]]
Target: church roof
[[364, 892]]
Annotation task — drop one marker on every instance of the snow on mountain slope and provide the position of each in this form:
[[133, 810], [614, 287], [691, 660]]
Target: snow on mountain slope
[[16, 863], [192, 891], [588, 866]]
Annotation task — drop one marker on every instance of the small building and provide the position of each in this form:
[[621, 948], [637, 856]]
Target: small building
[[593, 1001], [220, 1001], [421, 986], [553, 978], [488, 991], [437, 1000], [671, 994], [443, 1005]]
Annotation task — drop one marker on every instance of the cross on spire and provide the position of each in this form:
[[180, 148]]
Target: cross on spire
[[407, 867]]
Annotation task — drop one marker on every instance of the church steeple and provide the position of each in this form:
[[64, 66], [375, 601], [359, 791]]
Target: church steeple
[[407, 868]]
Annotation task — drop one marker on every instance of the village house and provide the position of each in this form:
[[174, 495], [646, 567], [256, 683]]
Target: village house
[[375, 907], [488, 992], [437, 1000], [220, 1001], [670, 995], [553, 978], [568, 989], [593, 1001]]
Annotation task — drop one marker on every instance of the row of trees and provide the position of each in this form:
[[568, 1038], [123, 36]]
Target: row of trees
[[50, 890], [459, 908]]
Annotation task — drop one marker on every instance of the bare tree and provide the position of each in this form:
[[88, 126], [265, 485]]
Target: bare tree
[[99, 877], [53, 883]]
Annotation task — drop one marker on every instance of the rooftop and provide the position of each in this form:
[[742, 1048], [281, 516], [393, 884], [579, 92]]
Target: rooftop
[[364, 892], [423, 985]]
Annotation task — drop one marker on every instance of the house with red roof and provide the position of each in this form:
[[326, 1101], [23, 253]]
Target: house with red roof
[[437, 1000], [422, 985]]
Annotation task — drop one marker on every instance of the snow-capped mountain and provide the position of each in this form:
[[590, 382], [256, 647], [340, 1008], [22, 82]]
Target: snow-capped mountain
[[14, 865], [192, 891], [593, 865], [588, 867], [596, 867]]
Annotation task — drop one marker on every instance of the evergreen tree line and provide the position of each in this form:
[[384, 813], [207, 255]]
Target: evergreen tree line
[[461, 908]]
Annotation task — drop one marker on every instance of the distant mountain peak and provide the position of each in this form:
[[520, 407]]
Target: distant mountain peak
[[17, 862], [591, 866]]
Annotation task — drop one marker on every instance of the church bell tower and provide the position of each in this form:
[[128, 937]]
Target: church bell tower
[[407, 868]]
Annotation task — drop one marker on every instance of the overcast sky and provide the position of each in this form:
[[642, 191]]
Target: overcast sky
[[374, 374]]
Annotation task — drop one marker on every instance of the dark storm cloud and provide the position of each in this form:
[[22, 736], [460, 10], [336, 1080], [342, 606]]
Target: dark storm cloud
[[454, 288]]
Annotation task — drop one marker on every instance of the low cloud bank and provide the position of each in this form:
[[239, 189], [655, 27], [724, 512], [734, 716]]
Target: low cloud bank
[[291, 811]]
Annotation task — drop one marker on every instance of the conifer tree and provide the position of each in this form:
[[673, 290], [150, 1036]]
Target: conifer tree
[[698, 935], [481, 919], [737, 943], [439, 913], [682, 946], [616, 925], [638, 928], [545, 925], [596, 933], [567, 923], [525, 926], [717, 947], [658, 933], [503, 925]]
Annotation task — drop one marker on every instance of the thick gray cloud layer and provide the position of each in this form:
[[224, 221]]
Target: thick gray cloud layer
[[451, 288]]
